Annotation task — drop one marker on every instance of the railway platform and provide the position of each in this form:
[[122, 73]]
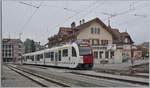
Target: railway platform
[[13, 79], [118, 77], [120, 66]]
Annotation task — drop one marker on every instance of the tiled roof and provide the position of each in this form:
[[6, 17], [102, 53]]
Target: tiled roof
[[77, 29], [113, 31], [116, 33], [84, 25], [120, 36], [64, 31]]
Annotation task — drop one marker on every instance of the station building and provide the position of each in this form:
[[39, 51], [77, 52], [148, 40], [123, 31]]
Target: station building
[[108, 43], [12, 50]]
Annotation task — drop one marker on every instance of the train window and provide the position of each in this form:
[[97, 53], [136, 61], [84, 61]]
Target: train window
[[52, 56], [65, 52], [56, 56], [47, 55], [41, 56], [74, 54], [27, 57], [59, 55], [32, 58], [38, 57], [84, 50]]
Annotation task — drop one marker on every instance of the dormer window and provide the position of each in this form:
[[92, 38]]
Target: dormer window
[[92, 30], [98, 30], [95, 30]]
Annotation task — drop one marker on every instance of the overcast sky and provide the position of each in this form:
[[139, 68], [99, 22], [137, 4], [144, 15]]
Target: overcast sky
[[43, 22]]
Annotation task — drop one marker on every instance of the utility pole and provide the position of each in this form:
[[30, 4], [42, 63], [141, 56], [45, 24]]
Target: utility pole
[[1, 59], [109, 17], [9, 35], [20, 35]]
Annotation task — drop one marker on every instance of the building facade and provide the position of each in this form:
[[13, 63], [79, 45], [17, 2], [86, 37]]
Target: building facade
[[12, 50], [108, 44]]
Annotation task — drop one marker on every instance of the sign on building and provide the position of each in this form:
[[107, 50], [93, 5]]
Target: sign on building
[[111, 47], [126, 47]]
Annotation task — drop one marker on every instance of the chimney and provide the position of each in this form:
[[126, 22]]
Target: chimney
[[109, 23], [80, 22], [73, 24], [83, 21]]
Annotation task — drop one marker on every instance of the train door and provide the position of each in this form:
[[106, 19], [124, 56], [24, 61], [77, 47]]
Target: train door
[[56, 58], [44, 58], [69, 57], [73, 55], [59, 57]]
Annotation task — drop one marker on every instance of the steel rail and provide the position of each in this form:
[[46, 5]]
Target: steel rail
[[111, 78], [38, 76]]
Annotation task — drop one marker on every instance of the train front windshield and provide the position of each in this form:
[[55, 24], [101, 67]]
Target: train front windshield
[[83, 50]]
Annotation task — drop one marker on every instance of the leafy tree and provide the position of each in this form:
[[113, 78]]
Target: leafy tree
[[32, 46], [29, 45]]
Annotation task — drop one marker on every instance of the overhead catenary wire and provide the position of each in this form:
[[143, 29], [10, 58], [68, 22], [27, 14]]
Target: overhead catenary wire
[[124, 12], [121, 13], [91, 10], [89, 6], [24, 14], [29, 19], [127, 21], [93, 4], [29, 4], [78, 13]]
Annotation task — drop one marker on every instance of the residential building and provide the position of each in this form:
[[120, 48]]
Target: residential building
[[137, 53], [144, 48], [107, 43], [145, 44], [12, 50]]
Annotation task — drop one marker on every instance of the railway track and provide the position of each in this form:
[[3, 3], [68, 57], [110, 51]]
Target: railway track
[[39, 79], [61, 81], [78, 79], [133, 75], [113, 78]]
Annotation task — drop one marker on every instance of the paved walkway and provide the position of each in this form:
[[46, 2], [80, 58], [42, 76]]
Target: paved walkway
[[13, 79], [121, 66]]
